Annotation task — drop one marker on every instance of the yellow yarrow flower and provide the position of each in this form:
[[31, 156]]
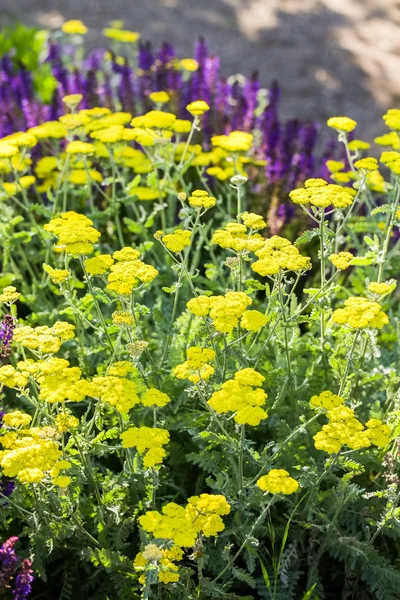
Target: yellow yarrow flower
[[121, 35], [159, 97], [98, 265], [342, 260], [177, 241], [148, 441], [189, 64], [197, 108], [392, 118], [366, 164], [9, 295], [16, 419], [359, 313], [243, 396], [197, 366], [78, 147], [381, 289], [342, 124], [321, 194], [74, 27], [278, 481], [201, 199], [56, 275], [72, 100]]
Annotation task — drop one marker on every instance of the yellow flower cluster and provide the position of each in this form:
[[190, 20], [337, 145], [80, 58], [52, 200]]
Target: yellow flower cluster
[[45, 339], [74, 232], [16, 419], [366, 164], [177, 241], [320, 193], [128, 272], [235, 141], [153, 397], [9, 295], [359, 313], [59, 382], [121, 35], [392, 161], [342, 260], [224, 311], [392, 118], [344, 429], [343, 124], [98, 265], [243, 396], [56, 275], [155, 119], [182, 525], [278, 254], [148, 441], [74, 27], [253, 221], [381, 289], [27, 455], [326, 400], [197, 108], [278, 481], [122, 318], [236, 237], [201, 199], [197, 366], [160, 558], [66, 422], [116, 390]]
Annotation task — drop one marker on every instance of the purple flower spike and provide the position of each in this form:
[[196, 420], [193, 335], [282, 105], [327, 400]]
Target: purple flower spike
[[23, 581], [7, 327], [8, 561]]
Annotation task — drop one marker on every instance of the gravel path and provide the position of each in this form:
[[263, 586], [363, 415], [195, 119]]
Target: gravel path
[[330, 56]]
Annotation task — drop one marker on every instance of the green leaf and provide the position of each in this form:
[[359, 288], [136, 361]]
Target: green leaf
[[307, 595], [384, 209], [307, 236], [264, 572]]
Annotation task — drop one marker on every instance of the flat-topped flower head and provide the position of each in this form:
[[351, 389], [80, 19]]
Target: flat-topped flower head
[[201, 199], [342, 124], [177, 241], [381, 289], [74, 27], [327, 400], [159, 97], [121, 35], [148, 441], [277, 254], [155, 119], [235, 141], [392, 118], [197, 108], [243, 396], [391, 160], [322, 194], [360, 313], [278, 481], [74, 232], [366, 164], [342, 260]]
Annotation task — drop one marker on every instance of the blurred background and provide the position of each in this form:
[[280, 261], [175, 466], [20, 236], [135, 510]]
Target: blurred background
[[331, 57]]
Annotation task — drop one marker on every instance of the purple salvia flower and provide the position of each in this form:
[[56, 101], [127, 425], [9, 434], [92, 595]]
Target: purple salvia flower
[[8, 561], [201, 51], [23, 581], [6, 488], [145, 56], [7, 327]]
